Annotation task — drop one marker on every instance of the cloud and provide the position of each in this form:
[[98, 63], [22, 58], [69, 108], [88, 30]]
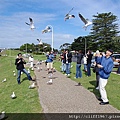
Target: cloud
[[14, 14]]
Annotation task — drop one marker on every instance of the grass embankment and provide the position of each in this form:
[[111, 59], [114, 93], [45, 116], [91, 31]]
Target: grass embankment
[[113, 86], [27, 100]]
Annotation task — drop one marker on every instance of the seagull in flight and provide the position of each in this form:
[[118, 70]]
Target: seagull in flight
[[86, 21], [40, 41], [68, 16], [47, 29], [45, 47], [31, 24]]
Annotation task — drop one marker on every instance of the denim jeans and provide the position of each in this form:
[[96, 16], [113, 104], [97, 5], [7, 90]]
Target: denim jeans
[[88, 70], [78, 71], [68, 66], [24, 71], [63, 67], [85, 67]]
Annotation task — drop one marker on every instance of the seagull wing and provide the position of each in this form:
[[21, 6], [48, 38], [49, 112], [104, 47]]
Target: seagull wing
[[38, 40], [82, 18], [69, 12], [31, 21], [27, 23]]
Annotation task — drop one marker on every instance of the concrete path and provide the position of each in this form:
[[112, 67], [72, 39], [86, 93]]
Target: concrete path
[[63, 96]]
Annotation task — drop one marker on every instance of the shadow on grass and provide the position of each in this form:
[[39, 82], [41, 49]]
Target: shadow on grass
[[93, 89], [24, 79]]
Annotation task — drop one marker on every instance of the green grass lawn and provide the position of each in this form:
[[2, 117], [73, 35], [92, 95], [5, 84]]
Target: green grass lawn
[[113, 86], [27, 100]]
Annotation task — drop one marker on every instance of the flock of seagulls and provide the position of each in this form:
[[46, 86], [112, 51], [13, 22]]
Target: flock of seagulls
[[84, 20], [67, 17]]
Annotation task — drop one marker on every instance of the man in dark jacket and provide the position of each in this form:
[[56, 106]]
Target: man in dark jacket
[[79, 57], [19, 62], [89, 58], [67, 61]]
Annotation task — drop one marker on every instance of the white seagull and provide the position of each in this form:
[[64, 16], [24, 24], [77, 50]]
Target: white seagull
[[47, 29], [29, 71], [32, 86], [13, 95], [2, 115], [31, 24], [86, 21], [14, 74], [4, 80], [68, 16], [45, 47], [50, 82], [40, 41], [38, 69]]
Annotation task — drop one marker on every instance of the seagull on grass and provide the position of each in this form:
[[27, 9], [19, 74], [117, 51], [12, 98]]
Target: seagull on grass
[[32, 86], [13, 96], [86, 21], [14, 74], [40, 41], [2, 116], [31, 24], [68, 16], [4, 80]]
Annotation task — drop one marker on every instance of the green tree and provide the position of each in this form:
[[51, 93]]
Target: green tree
[[104, 30]]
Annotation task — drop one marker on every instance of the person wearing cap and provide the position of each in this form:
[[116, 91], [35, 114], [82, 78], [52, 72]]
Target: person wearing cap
[[106, 66]]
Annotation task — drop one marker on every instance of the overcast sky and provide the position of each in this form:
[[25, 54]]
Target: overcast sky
[[14, 13]]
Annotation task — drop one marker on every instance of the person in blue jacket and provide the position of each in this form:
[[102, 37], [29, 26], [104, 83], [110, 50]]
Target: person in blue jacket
[[106, 66]]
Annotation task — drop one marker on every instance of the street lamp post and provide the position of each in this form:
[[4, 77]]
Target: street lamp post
[[26, 48], [85, 44]]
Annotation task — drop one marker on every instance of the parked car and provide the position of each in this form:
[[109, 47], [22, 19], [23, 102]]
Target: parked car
[[116, 56]]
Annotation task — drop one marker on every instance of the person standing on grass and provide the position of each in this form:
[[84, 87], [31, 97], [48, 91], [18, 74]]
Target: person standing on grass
[[19, 62], [106, 66], [67, 61], [49, 61], [63, 67], [89, 58], [85, 63], [79, 57]]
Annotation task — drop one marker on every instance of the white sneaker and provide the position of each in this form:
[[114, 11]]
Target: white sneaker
[[65, 74], [97, 88], [68, 74], [74, 77]]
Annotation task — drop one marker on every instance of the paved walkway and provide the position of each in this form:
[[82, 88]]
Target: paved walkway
[[63, 96]]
